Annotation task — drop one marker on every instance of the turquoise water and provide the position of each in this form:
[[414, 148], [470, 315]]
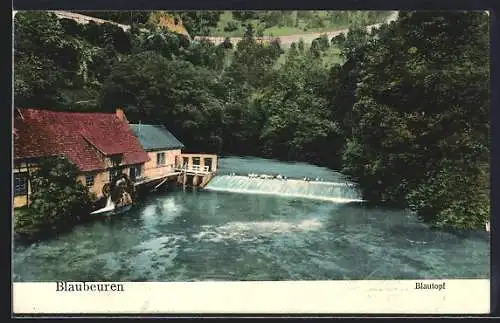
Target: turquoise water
[[260, 230]]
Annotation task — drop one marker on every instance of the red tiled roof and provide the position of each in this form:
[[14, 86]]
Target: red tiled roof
[[84, 138]]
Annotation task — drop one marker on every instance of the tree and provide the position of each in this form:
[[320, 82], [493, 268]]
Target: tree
[[175, 93], [205, 53], [231, 26], [352, 46], [58, 200], [162, 41], [252, 63], [198, 23], [422, 104], [298, 124], [338, 40], [227, 43], [45, 59], [322, 42], [244, 15]]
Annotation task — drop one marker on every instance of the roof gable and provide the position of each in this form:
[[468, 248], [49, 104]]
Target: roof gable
[[85, 138], [154, 137]]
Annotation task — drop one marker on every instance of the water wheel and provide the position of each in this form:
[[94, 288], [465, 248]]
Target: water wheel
[[122, 190], [106, 190]]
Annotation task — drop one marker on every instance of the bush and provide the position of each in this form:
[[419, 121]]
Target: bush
[[58, 200], [231, 26], [227, 43], [338, 40], [451, 200]]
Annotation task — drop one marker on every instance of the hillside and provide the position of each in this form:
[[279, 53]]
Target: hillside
[[386, 109], [286, 23], [234, 23]]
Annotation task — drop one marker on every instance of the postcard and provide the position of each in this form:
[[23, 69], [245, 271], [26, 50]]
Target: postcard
[[251, 162]]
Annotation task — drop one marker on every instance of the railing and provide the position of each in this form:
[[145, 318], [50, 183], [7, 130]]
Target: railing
[[194, 168]]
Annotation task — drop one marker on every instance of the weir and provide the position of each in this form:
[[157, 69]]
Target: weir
[[338, 192]]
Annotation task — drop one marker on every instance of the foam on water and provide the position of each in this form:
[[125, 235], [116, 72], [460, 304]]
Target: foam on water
[[337, 192], [162, 211], [248, 231]]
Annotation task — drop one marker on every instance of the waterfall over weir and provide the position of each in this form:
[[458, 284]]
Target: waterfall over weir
[[338, 192]]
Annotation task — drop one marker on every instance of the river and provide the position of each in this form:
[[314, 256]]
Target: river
[[253, 229]]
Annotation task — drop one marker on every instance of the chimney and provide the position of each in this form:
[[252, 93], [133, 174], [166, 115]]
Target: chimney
[[121, 115]]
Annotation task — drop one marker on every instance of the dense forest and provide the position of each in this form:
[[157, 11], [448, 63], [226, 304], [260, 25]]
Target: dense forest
[[405, 113]]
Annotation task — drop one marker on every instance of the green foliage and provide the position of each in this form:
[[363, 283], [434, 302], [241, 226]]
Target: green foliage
[[283, 23], [245, 15], [103, 35], [206, 54], [57, 61], [252, 62], [322, 42], [227, 43], [420, 134], [173, 92], [58, 200], [403, 110], [298, 124], [199, 22], [160, 40], [47, 58], [231, 26]]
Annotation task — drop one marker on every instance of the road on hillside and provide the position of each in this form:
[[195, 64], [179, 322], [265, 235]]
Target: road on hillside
[[284, 40], [306, 37]]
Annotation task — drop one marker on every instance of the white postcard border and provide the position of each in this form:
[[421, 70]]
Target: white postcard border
[[460, 296]]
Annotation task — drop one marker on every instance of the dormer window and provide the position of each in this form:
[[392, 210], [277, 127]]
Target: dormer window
[[116, 160]]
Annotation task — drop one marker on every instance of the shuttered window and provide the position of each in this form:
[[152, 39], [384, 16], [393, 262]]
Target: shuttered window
[[20, 184]]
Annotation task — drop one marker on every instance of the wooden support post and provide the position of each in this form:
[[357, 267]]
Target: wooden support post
[[28, 184]]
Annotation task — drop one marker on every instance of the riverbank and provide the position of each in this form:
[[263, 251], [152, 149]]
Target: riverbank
[[32, 233], [222, 236]]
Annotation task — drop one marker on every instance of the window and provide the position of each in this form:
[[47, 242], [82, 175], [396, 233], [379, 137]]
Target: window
[[160, 159], [135, 172], [89, 180], [114, 173], [208, 162], [20, 184]]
